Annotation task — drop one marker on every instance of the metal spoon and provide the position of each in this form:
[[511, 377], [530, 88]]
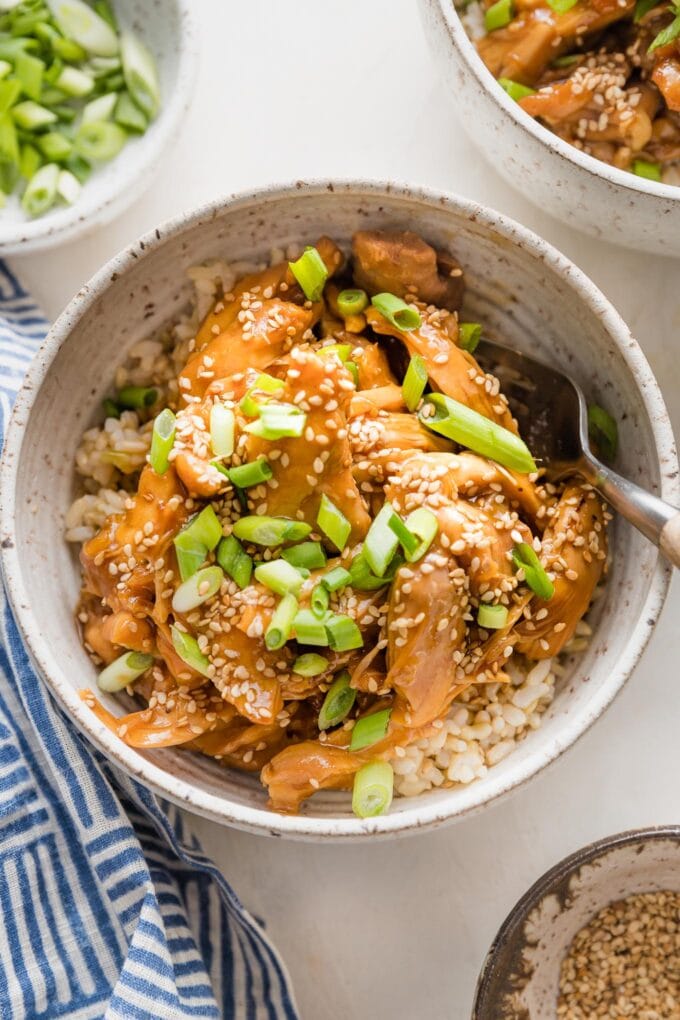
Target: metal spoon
[[552, 415]]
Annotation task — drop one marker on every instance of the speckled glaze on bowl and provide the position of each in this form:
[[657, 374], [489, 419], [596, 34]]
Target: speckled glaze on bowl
[[520, 977], [520, 287], [581, 191], [168, 29]]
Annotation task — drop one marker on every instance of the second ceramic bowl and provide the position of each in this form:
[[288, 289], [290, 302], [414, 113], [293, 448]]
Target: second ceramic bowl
[[521, 974], [578, 189], [518, 286]]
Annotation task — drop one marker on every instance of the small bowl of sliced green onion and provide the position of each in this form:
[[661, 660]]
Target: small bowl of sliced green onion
[[91, 92]]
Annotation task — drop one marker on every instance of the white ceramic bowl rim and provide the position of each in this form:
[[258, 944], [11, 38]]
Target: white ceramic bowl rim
[[555, 877], [64, 224], [423, 814], [593, 166]]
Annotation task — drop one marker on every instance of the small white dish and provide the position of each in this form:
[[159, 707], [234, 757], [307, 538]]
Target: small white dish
[[521, 973], [168, 28], [521, 288], [578, 189]]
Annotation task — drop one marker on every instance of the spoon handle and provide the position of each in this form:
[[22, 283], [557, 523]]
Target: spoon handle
[[657, 520]]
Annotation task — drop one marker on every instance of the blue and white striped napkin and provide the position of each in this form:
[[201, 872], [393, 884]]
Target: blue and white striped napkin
[[108, 908]]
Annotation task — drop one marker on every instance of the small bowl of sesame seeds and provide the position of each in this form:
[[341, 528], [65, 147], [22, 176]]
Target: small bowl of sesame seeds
[[618, 185], [597, 936]]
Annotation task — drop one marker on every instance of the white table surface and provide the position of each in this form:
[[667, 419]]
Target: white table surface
[[399, 930]]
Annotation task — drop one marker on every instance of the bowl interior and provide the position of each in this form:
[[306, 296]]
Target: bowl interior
[[522, 972], [531, 299], [164, 26]]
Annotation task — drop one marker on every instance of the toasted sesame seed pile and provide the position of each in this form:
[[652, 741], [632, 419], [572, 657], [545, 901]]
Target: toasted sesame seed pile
[[194, 600], [625, 962]]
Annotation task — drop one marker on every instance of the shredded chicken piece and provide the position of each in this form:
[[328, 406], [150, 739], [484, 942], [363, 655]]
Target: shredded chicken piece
[[404, 264]]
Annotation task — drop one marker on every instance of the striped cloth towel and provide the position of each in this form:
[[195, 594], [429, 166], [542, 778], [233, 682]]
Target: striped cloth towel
[[108, 907]]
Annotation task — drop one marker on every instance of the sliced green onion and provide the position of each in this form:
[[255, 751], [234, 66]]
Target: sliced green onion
[[103, 9], [264, 383], [126, 668], [422, 523], [603, 431], [54, 146], [234, 561], [5, 68], [415, 382], [381, 542], [279, 576], [99, 140], [9, 93], [353, 371], [141, 76], [311, 273], [270, 531], [498, 15], [200, 587], [67, 49], [469, 335], [409, 542], [370, 729], [338, 702], [363, 578], [492, 617], [341, 351], [281, 625], [472, 430], [137, 396], [68, 186], [643, 7], [310, 664], [373, 789], [397, 312], [352, 302], [41, 190], [309, 629], [111, 409], [79, 167], [319, 601], [79, 22], [343, 633], [333, 523], [524, 558], [30, 116], [188, 649], [516, 91], [9, 143], [336, 578], [253, 473], [221, 430], [278, 421], [668, 34], [162, 441], [100, 109], [652, 171], [74, 82], [196, 540], [569, 59], [129, 115], [29, 71], [309, 555], [562, 6]]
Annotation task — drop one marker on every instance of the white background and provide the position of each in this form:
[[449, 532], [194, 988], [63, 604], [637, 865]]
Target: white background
[[399, 930]]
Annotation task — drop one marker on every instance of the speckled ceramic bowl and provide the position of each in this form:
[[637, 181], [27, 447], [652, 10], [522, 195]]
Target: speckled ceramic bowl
[[520, 978], [168, 29], [576, 188], [520, 287]]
